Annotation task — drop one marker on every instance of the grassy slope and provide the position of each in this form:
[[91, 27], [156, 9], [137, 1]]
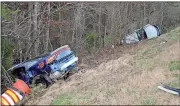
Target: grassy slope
[[131, 79]]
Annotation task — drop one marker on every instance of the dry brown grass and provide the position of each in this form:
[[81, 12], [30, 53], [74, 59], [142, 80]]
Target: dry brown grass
[[130, 79]]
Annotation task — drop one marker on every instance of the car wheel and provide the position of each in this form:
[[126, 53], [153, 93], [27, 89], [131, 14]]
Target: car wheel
[[47, 80], [66, 76]]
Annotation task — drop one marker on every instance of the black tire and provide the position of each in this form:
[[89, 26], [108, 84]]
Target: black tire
[[40, 81], [45, 79], [66, 76]]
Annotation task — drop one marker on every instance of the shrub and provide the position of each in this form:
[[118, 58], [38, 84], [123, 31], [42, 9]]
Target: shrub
[[91, 40], [6, 53]]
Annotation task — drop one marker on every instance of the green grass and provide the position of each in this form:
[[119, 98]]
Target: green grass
[[149, 101], [65, 99], [69, 98], [151, 52], [176, 75], [174, 65], [175, 83], [174, 34]]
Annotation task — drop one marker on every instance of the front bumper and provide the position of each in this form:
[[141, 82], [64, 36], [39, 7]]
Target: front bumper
[[64, 66], [58, 74]]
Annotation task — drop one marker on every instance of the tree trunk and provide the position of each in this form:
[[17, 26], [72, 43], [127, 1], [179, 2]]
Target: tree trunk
[[36, 45], [162, 15], [30, 8], [47, 30], [144, 15], [112, 21], [60, 28], [79, 25]]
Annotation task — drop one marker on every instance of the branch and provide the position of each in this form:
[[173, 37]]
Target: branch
[[32, 44], [7, 75]]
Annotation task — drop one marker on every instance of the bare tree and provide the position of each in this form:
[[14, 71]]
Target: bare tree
[[39, 26], [35, 34], [79, 24], [48, 26]]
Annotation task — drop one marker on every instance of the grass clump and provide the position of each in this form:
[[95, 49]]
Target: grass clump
[[69, 98], [175, 84], [174, 35], [149, 101], [65, 99], [174, 65]]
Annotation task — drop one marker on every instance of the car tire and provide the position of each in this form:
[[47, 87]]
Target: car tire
[[46, 80]]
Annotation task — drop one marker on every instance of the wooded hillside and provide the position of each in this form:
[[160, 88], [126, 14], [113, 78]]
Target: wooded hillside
[[29, 29]]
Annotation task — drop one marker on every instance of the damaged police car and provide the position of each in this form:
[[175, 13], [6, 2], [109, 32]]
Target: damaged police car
[[54, 65]]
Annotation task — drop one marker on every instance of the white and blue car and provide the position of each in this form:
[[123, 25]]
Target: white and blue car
[[54, 65], [147, 32]]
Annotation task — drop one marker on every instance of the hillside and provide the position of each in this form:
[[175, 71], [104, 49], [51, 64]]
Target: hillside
[[128, 77]]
